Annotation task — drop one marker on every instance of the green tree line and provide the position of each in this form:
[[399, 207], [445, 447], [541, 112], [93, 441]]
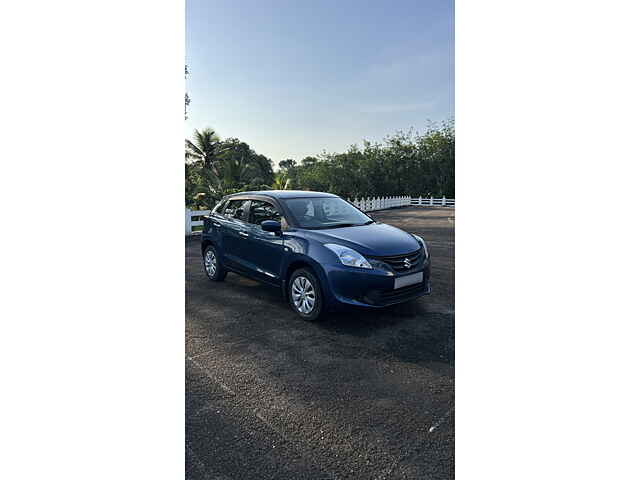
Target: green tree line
[[215, 168], [417, 164]]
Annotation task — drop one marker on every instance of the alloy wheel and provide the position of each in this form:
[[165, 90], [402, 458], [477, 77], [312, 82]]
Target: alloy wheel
[[210, 263], [303, 294]]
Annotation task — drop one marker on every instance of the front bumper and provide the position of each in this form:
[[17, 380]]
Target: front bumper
[[349, 286]]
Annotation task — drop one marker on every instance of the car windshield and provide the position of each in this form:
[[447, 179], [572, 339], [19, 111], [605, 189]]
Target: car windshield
[[325, 212]]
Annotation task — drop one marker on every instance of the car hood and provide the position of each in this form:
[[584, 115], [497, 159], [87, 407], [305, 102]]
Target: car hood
[[376, 239]]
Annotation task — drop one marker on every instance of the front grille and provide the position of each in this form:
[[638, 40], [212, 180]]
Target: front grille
[[389, 297], [398, 263], [400, 293]]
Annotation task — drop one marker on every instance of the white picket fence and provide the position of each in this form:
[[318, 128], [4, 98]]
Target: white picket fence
[[189, 221], [193, 217], [433, 202], [380, 203]]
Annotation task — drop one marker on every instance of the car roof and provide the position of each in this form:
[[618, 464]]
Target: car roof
[[284, 194]]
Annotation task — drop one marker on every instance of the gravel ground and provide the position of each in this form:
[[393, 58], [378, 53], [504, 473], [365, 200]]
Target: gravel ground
[[360, 395]]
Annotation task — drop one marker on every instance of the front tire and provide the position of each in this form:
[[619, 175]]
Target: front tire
[[212, 266], [305, 295]]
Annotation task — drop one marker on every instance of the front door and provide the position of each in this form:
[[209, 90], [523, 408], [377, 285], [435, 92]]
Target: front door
[[265, 250]]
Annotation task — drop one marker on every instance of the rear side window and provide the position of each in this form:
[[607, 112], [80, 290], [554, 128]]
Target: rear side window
[[262, 210], [218, 207], [236, 209]]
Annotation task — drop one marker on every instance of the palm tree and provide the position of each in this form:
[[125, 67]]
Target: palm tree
[[239, 171], [215, 167], [206, 147], [234, 170], [281, 182]]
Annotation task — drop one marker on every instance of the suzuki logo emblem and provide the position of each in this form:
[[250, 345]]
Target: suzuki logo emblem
[[407, 263]]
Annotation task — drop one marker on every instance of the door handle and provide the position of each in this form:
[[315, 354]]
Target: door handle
[[215, 224], [243, 234]]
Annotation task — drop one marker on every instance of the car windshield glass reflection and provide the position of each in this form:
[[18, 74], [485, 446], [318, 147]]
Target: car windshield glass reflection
[[326, 212]]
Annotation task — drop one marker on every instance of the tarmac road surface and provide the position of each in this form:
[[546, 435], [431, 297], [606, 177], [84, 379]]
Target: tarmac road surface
[[360, 395]]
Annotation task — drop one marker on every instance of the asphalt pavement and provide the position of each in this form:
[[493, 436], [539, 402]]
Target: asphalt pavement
[[366, 395]]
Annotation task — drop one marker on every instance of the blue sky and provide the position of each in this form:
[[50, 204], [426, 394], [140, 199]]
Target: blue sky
[[295, 78]]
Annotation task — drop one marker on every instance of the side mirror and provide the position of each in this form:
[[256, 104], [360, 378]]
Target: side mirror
[[271, 226]]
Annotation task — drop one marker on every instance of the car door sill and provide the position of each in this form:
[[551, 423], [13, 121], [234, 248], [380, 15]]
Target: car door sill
[[274, 282]]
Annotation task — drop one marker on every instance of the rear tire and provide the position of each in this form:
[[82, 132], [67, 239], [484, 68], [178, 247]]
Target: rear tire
[[212, 266], [305, 295]]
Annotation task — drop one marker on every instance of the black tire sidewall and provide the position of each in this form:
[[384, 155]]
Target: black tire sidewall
[[319, 304], [220, 271]]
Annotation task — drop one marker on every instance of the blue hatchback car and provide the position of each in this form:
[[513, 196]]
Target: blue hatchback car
[[324, 253]]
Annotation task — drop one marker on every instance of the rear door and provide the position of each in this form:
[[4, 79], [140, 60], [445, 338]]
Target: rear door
[[234, 231], [265, 250], [212, 226]]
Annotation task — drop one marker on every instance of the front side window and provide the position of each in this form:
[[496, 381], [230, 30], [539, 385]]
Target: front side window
[[235, 209], [261, 211], [325, 212]]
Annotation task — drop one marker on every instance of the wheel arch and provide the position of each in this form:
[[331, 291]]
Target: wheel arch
[[298, 263], [203, 246]]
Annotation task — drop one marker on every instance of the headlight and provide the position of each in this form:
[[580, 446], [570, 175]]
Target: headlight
[[423, 243], [348, 256]]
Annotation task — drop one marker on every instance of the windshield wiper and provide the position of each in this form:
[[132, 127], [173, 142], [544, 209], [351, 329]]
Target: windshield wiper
[[340, 225]]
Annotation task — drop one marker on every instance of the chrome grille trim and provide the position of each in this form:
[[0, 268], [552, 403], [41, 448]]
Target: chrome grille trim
[[397, 262]]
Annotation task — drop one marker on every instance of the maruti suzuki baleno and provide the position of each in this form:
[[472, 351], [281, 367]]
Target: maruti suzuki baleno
[[324, 253]]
